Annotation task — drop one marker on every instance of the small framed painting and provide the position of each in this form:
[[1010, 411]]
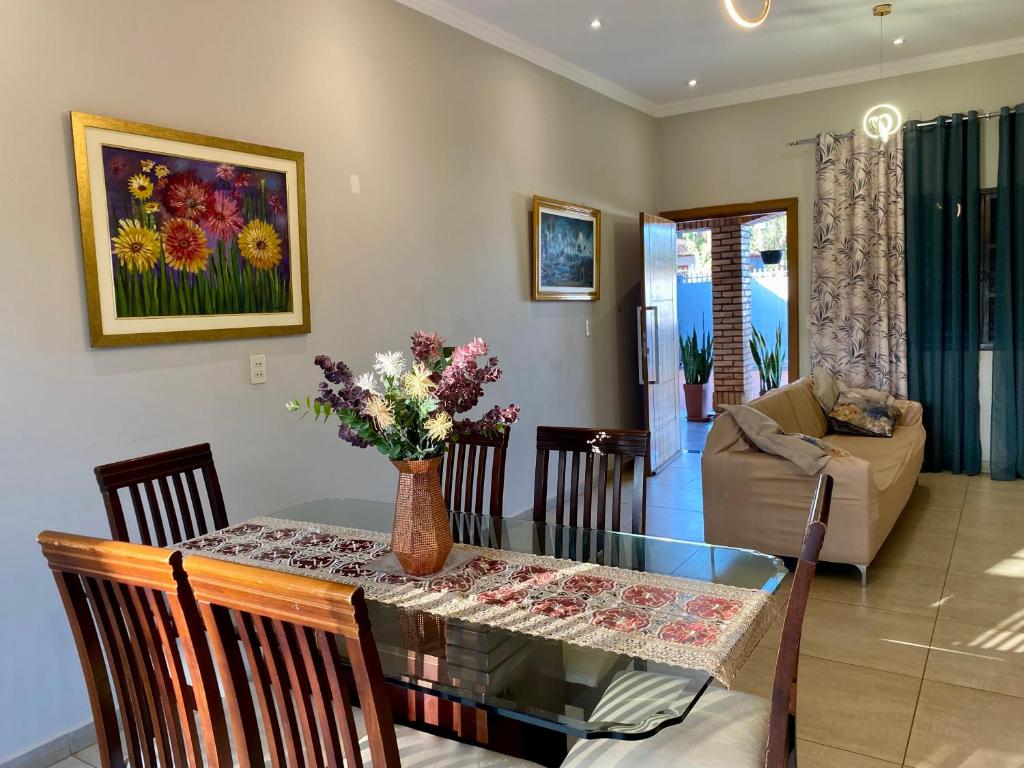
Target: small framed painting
[[188, 237], [566, 251]]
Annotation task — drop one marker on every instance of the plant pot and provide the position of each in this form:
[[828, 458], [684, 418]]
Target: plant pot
[[771, 256], [698, 402], [422, 536]]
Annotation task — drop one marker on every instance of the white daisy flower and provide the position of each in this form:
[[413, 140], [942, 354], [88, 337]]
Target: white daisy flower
[[389, 363], [367, 382]]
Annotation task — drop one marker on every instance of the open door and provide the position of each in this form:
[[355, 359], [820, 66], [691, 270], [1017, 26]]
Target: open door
[[658, 340]]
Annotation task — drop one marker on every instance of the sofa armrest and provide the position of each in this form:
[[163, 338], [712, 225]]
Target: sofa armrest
[[909, 412]]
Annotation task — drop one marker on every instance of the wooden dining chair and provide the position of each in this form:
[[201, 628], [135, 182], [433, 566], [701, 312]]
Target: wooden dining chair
[[727, 729], [601, 454], [166, 492], [127, 604], [282, 631], [473, 472]]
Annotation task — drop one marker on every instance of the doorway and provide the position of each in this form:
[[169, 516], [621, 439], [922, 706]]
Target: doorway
[[737, 280]]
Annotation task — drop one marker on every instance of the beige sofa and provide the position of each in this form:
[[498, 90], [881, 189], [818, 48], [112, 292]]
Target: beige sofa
[[760, 501]]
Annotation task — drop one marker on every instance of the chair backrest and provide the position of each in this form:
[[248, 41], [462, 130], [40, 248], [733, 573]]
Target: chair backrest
[[468, 485], [782, 721], [597, 452], [127, 605], [165, 495], [282, 630]]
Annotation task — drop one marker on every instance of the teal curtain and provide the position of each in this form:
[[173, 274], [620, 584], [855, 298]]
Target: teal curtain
[[943, 231], [1007, 462]]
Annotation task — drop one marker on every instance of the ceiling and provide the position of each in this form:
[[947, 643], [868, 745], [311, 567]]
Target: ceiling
[[647, 50]]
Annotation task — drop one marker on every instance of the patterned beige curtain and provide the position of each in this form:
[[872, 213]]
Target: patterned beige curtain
[[858, 277]]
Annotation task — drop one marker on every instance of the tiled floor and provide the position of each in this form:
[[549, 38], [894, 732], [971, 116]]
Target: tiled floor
[[924, 667]]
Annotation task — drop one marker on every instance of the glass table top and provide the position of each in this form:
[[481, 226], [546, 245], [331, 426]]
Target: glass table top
[[583, 692]]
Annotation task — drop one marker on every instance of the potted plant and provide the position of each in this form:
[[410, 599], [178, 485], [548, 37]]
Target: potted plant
[[771, 256], [697, 358], [406, 412], [768, 360]]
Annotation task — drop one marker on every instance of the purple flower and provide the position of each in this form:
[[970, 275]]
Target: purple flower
[[426, 346], [348, 435], [496, 419], [348, 394]]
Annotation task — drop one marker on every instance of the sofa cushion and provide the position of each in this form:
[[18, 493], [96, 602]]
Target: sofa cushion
[[794, 407], [887, 458], [860, 414]]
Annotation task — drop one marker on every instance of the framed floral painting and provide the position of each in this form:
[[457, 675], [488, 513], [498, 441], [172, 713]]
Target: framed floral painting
[[188, 237], [566, 251]]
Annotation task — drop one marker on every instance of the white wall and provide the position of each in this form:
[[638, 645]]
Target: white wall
[[450, 137], [738, 154]]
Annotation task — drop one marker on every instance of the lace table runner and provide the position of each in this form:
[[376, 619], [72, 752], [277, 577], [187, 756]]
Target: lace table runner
[[670, 620]]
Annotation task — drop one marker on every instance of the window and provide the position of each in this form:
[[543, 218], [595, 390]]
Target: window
[[988, 263]]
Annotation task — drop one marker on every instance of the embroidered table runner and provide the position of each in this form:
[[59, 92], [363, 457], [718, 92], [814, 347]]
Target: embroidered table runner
[[671, 620]]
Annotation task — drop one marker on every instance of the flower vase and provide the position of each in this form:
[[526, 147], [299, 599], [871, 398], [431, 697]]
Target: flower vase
[[422, 536]]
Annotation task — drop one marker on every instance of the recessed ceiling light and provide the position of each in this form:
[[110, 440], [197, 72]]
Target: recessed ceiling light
[[596, 24], [692, 83], [899, 41]]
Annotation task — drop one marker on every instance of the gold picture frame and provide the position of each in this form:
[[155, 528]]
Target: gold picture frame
[[566, 251], [188, 237]]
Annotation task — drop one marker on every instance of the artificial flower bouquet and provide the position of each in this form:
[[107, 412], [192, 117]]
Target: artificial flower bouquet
[[408, 411]]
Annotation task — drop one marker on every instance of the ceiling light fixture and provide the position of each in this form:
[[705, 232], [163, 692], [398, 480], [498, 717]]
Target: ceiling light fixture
[[692, 83], [899, 41], [596, 24], [742, 20], [882, 120]]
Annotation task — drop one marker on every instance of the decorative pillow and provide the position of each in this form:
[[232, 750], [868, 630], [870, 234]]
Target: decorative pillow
[[857, 414], [765, 434], [832, 450], [826, 388]]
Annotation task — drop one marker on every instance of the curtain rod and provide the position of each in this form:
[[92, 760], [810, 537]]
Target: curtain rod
[[848, 134]]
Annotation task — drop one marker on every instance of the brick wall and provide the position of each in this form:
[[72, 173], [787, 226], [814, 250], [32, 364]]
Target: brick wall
[[736, 378]]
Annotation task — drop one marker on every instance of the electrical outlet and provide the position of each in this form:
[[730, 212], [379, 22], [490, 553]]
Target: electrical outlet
[[257, 369]]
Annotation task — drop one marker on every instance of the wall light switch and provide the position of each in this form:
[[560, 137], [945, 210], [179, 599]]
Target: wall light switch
[[257, 369], [588, 327], [353, 181]]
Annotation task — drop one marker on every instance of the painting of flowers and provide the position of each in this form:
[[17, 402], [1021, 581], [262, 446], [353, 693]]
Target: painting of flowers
[[566, 251], [186, 236]]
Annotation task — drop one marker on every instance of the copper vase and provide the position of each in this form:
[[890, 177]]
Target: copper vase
[[422, 536]]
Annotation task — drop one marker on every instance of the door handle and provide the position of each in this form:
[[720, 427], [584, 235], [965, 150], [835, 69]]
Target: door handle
[[643, 347]]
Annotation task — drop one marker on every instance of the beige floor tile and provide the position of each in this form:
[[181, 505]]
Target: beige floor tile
[[989, 658], [860, 710], [69, 762], [912, 589], [91, 756], [987, 600], [940, 521], [963, 728], [811, 755], [996, 521], [758, 673], [987, 558], [986, 483], [867, 637], [909, 547]]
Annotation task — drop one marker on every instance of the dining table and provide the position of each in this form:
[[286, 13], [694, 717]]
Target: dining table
[[524, 692]]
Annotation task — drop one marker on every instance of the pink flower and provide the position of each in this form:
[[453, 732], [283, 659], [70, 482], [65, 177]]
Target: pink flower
[[118, 166], [469, 352], [648, 596], [225, 172], [689, 633], [242, 180], [275, 203], [709, 607], [187, 196], [223, 218], [620, 619]]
